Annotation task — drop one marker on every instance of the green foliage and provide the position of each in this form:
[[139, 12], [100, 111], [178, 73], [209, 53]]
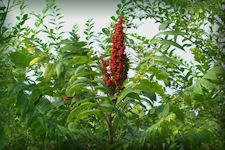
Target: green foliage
[[52, 95]]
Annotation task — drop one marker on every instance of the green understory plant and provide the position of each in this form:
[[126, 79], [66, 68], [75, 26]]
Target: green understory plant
[[60, 93]]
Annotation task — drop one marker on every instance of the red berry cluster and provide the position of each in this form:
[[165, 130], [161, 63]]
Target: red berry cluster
[[107, 77], [65, 98], [118, 61]]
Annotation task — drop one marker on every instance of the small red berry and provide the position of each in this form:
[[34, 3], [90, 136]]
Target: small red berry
[[65, 98]]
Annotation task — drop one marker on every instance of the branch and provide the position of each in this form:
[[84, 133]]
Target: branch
[[110, 133]]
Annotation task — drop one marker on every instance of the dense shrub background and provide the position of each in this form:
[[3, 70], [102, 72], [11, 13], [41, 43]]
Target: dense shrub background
[[52, 95]]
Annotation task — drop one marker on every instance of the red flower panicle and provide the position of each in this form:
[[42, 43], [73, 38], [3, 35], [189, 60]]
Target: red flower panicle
[[107, 77], [118, 62]]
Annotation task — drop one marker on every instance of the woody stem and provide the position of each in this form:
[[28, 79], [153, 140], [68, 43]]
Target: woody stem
[[110, 132]]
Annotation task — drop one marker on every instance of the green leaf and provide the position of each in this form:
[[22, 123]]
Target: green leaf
[[124, 93], [32, 148], [164, 25], [150, 95], [206, 84], [3, 137], [194, 139], [49, 71], [15, 89], [205, 135], [113, 18], [178, 112], [166, 59], [211, 75], [188, 99], [78, 80], [79, 109], [72, 90], [185, 143], [19, 59], [80, 60], [25, 16], [78, 102], [102, 89], [22, 97], [107, 108], [59, 69], [35, 60], [162, 75], [134, 95], [78, 85], [197, 89], [2, 8], [173, 33], [165, 111], [77, 75], [106, 31], [86, 113], [170, 42], [150, 86]]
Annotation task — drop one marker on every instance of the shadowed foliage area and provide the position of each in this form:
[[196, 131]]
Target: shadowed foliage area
[[114, 89]]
